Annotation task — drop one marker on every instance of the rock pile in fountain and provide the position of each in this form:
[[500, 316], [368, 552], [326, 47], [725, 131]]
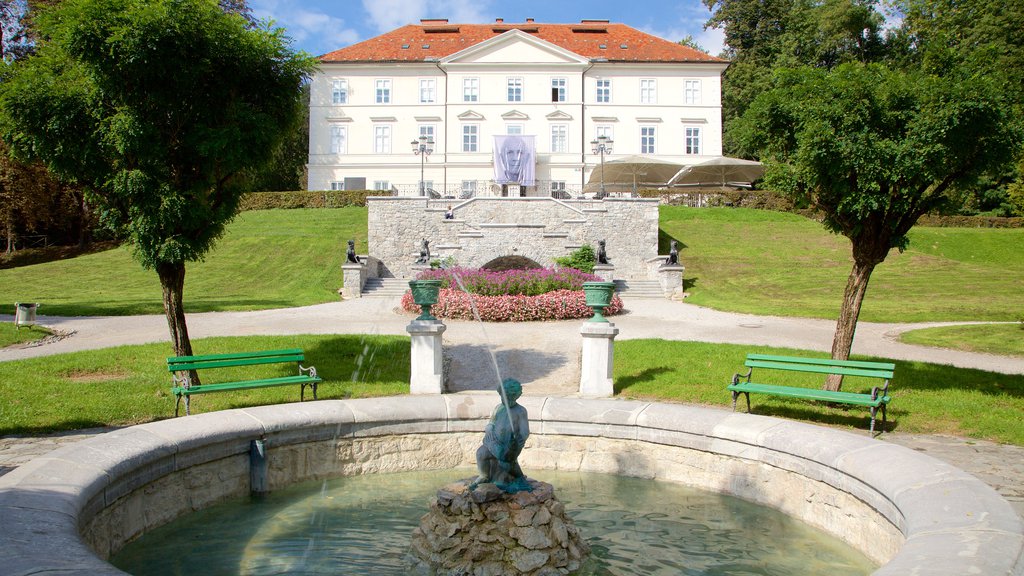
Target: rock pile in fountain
[[488, 532]]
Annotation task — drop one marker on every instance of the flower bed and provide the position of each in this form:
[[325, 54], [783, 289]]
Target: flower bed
[[556, 305], [527, 282]]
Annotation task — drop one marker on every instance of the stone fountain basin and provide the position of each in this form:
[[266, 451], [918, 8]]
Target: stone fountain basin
[[69, 510]]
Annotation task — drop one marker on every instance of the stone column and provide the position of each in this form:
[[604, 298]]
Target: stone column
[[671, 278], [354, 278], [427, 373], [598, 359], [605, 271]]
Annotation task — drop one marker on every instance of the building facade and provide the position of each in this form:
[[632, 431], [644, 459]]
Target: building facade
[[506, 108]]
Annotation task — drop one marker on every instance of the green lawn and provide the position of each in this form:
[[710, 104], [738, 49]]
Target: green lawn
[[266, 259], [131, 385], [927, 398], [11, 334], [775, 263], [1006, 339]]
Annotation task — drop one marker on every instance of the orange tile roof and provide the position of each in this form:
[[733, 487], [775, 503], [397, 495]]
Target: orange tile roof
[[435, 39]]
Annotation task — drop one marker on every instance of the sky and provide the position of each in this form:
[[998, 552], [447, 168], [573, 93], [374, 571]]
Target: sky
[[321, 26]]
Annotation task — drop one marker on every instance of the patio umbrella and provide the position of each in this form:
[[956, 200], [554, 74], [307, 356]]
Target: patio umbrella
[[718, 172], [632, 173]]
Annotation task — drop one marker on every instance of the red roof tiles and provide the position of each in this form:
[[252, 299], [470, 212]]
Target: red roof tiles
[[437, 39]]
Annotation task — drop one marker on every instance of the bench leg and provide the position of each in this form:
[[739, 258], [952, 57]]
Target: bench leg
[[734, 395], [188, 405], [747, 394], [874, 411], [177, 406]]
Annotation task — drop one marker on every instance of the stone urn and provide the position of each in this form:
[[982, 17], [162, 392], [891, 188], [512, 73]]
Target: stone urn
[[599, 296], [424, 294]]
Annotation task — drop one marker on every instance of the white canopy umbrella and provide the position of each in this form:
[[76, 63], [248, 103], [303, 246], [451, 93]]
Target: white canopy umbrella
[[719, 171], [632, 173]]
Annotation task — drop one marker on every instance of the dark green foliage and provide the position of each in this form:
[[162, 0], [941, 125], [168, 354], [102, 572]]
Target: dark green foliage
[[511, 263], [582, 259], [304, 199]]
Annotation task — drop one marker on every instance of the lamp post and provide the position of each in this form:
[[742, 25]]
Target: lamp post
[[602, 145], [422, 147]]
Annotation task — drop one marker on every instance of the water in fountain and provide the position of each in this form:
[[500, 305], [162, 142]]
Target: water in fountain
[[361, 525]]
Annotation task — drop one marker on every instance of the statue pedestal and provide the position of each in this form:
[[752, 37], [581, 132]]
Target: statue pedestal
[[598, 359], [427, 370], [671, 278], [605, 272], [486, 531], [354, 278]]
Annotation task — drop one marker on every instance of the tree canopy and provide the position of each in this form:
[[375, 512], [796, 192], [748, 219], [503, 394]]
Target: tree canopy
[[874, 149], [158, 106]]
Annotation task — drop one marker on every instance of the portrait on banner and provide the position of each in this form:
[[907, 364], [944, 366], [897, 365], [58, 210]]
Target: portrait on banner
[[514, 160]]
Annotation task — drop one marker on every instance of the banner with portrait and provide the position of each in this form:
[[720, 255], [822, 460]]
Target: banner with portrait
[[514, 160]]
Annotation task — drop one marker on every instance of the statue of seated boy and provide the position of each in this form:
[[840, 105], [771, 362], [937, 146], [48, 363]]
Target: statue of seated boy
[[504, 438]]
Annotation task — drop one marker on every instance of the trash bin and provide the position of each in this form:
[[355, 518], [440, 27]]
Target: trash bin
[[24, 314]]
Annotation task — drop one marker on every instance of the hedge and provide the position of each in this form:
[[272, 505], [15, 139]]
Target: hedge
[[304, 199]]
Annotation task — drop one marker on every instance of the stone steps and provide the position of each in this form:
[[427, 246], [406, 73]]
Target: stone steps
[[385, 288], [639, 289]]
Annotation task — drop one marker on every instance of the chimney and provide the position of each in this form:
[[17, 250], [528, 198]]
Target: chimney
[[529, 20], [499, 20]]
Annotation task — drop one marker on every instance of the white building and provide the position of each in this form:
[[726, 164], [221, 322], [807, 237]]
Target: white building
[[461, 85]]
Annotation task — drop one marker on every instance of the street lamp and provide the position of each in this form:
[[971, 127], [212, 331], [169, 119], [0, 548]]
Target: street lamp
[[422, 147], [602, 145]]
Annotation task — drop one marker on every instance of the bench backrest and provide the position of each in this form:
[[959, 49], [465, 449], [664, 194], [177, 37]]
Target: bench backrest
[[822, 365], [181, 363]]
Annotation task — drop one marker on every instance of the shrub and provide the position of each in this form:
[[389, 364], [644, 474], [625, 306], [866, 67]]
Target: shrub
[[582, 259], [303, 199], [556, 305]]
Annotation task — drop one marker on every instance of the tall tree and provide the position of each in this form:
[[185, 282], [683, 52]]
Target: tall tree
[[158, 106], [875, 149]]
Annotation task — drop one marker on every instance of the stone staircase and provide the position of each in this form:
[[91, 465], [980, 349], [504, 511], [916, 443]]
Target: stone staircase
[[639, 289], [385, 288]]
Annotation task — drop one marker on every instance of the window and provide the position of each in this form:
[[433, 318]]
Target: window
[[558, 189], [428, 91], [692, 140], [648, 91], [427, 130], [337, 185], [605, 131], [604, 90], [339, 139], [381, 185], [470, 138], [468, 189], [691, 92], [558, 89], [647, 139], [559, 138], [470, 89], [383, 91], [339, 91], [514, 129], [515, 89], [382, 140]]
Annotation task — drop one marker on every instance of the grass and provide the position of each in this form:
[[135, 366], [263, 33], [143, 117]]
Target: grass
[[266, 259], [130, 384], [11, 334], [1005, 339], [927, 398], [774, 263]]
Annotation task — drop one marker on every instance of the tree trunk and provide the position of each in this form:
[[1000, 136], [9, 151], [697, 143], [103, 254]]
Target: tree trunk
[[172, 279], [83, 232], [846, 326]]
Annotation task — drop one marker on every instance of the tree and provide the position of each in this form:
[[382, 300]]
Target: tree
[[157, 106], [874, 149]]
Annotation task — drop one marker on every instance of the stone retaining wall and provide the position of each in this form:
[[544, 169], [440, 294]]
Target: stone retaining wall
[[538, 228], [922, 515]]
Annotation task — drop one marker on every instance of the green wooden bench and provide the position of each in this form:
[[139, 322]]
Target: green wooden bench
[[181, 386], [877, 399]]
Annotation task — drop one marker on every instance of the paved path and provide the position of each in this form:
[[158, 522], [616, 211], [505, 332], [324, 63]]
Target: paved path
[[545, 356]]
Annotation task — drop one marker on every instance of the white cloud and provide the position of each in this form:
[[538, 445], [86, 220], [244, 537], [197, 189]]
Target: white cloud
[[313, 31], [386, 15]]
